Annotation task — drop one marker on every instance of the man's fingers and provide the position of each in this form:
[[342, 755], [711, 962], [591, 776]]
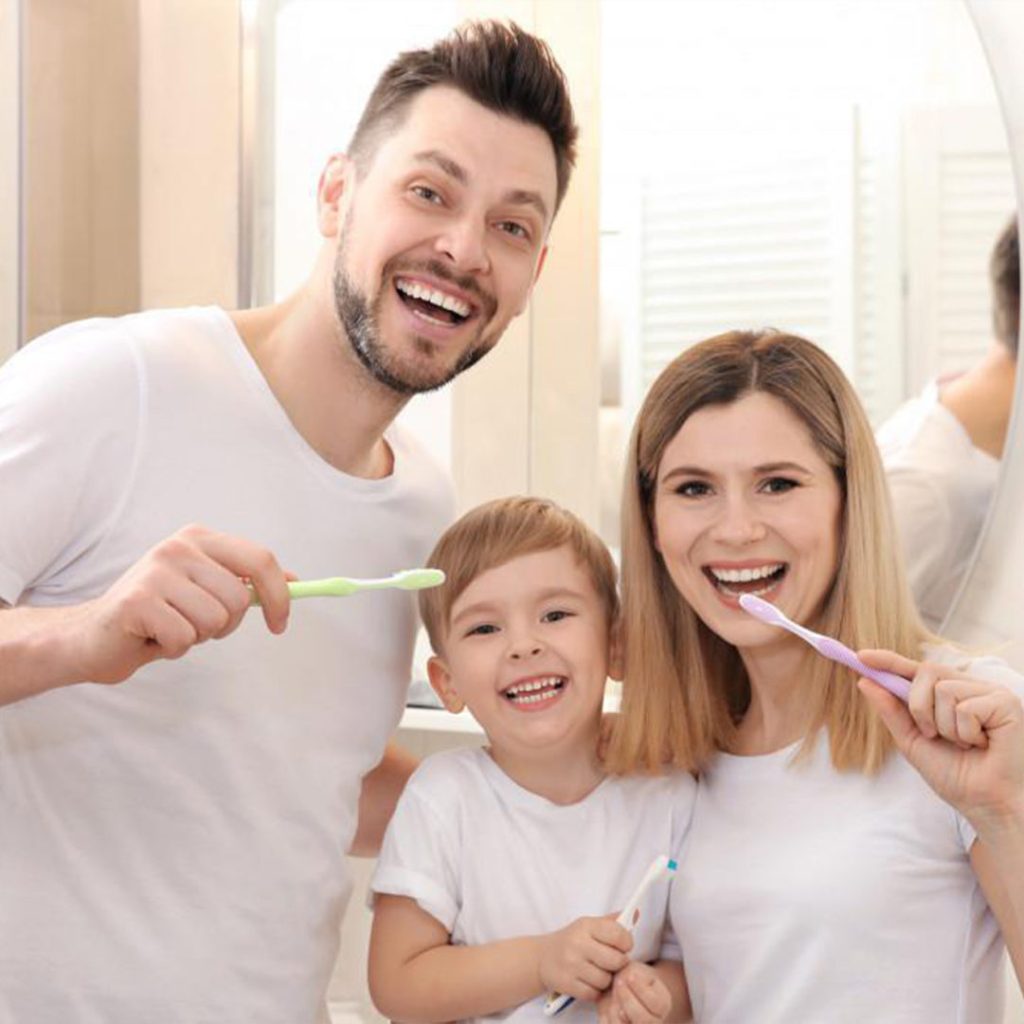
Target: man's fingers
[[256, 564]]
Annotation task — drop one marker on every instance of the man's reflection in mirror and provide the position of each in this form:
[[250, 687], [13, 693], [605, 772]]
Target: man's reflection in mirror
[[942, 449]]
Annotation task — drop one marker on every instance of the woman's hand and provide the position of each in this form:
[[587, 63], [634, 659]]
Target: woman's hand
[[964, 736], [637, 996]]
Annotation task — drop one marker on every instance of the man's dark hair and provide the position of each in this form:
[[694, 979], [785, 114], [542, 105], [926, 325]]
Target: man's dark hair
[[1004, 272], [496, 64]]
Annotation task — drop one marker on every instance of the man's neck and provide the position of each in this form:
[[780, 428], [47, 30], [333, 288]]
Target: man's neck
[[982, 399], [300, 350]]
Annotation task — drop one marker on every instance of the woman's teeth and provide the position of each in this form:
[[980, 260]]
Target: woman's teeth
[[535, 691], [757, 581]]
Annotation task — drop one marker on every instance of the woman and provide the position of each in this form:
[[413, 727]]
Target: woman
[[845, 849]]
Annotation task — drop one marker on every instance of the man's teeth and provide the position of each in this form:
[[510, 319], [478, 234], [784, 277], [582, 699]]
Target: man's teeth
[[434, 297], [534, 691], [745, 575]]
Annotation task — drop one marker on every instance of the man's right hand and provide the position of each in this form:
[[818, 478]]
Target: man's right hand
[[190, 588]]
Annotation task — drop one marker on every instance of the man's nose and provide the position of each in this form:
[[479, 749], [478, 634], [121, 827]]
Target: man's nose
[[464, 243]]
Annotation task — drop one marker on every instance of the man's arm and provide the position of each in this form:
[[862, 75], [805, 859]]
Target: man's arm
[[417, 976], [381, 789], [188, 589]]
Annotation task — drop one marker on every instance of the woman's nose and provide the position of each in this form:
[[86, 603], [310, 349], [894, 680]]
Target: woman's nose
[[739, 523]]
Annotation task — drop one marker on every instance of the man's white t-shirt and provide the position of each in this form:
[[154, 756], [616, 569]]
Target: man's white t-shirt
[[491, 860], [941, 487], [172, 848], [809, 896]]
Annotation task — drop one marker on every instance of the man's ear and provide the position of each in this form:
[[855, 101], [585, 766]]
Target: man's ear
[[441, 683], [616, 652], [332, 189]]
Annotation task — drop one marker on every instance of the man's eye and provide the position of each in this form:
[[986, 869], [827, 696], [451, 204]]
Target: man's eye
[[779, 485], [427, 193], [693, 489], [515, 229]]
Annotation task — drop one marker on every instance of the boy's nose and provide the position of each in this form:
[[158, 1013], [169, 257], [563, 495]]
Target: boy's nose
[[524, 650]]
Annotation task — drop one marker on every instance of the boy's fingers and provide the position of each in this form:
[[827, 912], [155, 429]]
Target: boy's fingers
[[608, 930]]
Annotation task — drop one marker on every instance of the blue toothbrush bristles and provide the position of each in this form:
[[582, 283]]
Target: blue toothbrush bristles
[[672, 865]]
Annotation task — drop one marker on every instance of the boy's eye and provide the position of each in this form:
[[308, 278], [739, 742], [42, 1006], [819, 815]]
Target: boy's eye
[[556, 615], [484, 629], [693, 489], [779, 485]]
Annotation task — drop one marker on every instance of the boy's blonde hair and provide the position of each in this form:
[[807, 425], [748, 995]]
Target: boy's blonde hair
[[685, 687], [498, 531]]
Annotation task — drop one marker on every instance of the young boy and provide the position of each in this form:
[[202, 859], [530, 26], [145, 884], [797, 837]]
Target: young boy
[[504, 867]]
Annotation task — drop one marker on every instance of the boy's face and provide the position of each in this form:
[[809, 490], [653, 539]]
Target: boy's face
[[527, 650], [440, 238]]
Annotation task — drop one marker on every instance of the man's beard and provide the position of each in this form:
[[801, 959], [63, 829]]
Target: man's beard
[[360, 321]]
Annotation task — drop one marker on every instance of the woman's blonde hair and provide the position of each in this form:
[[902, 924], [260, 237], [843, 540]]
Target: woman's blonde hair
[[686, 688]]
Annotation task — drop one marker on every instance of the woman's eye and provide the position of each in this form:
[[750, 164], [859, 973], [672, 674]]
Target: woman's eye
[[779, 485], [693, 489], [484, 629]]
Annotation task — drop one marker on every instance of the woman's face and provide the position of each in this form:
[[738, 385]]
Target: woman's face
[[744, 503]]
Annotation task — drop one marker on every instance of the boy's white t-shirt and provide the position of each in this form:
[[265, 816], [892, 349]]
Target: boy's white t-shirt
[[807, 896], [491, 860]]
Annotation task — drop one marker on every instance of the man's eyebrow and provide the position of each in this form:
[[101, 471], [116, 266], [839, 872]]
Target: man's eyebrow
[[446, 163], [516, 196]]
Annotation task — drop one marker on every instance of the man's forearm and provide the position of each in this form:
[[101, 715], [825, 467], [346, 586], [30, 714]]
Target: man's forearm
[[381, 789], [36, 651], [455, 982]]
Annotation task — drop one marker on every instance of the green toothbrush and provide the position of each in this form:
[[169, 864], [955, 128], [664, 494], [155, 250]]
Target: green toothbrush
[[342, 586]]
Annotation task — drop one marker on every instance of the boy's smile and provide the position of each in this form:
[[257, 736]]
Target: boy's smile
[[527, 650]]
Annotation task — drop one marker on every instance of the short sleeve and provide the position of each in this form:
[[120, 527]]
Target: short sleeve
[[419, 858], [69, 412]]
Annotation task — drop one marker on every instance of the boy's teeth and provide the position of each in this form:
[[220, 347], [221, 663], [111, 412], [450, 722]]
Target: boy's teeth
[[417, 291], [745, 575], [535, 690]]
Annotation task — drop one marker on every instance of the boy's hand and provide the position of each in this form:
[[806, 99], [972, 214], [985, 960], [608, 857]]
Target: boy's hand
[[637, 996], [580, 959]]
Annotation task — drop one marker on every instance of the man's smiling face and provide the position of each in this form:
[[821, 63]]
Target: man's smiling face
[[442, 237]]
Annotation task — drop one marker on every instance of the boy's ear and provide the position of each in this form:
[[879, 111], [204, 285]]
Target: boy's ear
[[441, 683], [616, 653]]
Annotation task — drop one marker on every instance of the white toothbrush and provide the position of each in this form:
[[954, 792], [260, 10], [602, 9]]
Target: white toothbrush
[[342, 586], [629, 918], [825, 645]]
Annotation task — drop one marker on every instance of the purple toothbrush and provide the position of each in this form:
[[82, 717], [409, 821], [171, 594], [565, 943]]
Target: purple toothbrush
[[825, 645]]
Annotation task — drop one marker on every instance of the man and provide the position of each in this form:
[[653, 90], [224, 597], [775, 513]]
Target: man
[[941, 450], [172, 848]]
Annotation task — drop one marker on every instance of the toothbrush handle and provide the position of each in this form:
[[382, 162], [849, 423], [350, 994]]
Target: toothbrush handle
[[332, 587], [895, 684]]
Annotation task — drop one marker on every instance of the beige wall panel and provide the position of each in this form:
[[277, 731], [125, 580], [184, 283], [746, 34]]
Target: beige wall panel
[[10, 200], [565, 365], [189, 153], [81, 169]]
